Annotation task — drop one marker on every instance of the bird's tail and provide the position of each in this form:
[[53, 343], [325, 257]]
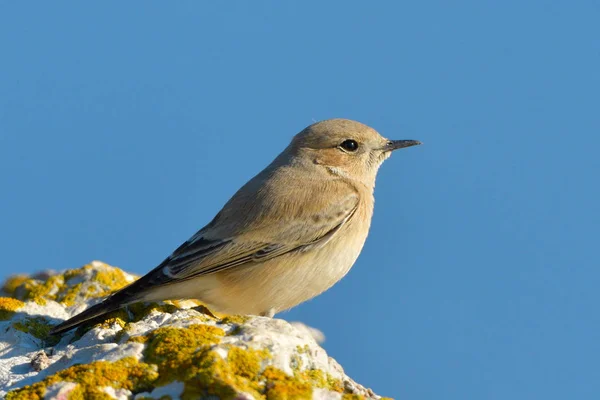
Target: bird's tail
[[110, 304]]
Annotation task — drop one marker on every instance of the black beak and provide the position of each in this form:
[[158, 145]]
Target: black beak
[[400, 144]]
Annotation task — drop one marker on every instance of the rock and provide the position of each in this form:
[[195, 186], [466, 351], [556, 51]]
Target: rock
[[40, 361], [314, 332], [173, 350]]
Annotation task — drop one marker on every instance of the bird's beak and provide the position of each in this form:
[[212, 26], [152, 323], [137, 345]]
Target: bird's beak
[[399, 144]]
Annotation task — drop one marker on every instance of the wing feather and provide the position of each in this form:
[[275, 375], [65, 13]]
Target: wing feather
[[202, 255]]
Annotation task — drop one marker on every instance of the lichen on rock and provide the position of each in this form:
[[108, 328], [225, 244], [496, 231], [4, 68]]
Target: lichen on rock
[[169, 350], [8, 307], [74, 285]]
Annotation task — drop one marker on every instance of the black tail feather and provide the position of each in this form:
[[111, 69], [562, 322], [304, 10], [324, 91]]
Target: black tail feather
[[87, 315], [112, 303]]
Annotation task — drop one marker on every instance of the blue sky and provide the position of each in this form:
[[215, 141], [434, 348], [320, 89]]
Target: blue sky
[[125, 127]]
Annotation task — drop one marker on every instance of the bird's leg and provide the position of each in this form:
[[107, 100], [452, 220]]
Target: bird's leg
[[269, 313]]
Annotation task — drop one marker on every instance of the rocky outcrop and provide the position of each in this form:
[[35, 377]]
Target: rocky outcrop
[[163, 351]]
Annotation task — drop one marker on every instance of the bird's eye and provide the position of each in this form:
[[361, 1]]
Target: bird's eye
[[349, 145]]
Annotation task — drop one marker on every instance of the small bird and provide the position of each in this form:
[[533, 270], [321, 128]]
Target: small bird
[[286, 236]]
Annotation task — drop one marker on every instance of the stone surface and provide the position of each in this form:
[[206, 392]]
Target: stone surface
[[167, 350]]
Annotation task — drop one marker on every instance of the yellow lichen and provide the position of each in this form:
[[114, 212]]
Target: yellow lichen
[[137, 311], [187, 355], [246, 363], [74, 273], [234, 319], [103, 282], [352, 396], [11, 284], [303, 349], [173, 348], [69, 294], [316, 377], [105, 322], [280, 386], [185, 304], [295, 361], [123, 316], [127, 373], [299, 386], [113, 279], [39, 291], [108, 323], [8, 306], [96, 282], [138, 339], [320, 379]]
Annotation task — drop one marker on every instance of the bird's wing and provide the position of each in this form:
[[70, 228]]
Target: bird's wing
[[307, 229]]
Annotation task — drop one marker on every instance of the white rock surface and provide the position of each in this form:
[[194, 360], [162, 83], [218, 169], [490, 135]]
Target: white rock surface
[[292, 348]]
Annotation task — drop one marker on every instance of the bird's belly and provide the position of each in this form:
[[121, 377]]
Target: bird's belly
[[285, 281]]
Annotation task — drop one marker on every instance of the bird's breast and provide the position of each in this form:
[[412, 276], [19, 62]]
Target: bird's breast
[[288, 280]]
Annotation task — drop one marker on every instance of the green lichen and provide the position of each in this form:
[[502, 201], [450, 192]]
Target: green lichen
[[127, 373], [236, 330], [8, 307], [38, 327]]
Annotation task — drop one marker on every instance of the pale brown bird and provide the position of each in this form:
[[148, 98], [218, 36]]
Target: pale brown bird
[[287, 235]]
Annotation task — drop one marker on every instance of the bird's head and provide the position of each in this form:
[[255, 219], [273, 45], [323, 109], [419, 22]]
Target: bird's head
[[346, 148]]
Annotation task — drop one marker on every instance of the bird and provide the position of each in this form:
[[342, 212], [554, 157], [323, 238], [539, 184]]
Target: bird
[[287, 235]]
